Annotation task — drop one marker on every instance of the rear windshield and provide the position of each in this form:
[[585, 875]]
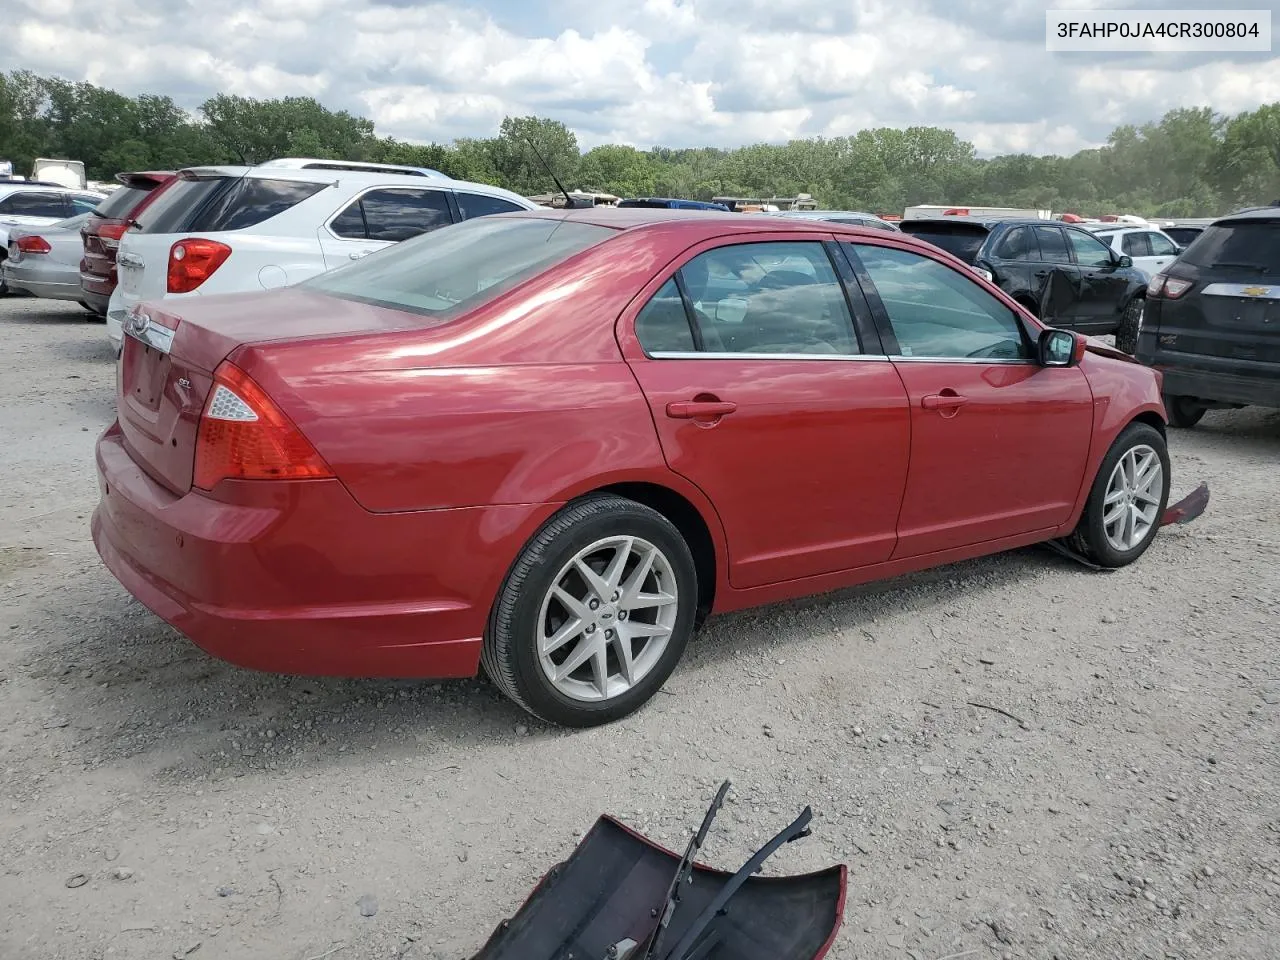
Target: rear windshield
[[1250, 246], [1182, 235], [223, 203], [120, 202], [959, 240], [446, 272]]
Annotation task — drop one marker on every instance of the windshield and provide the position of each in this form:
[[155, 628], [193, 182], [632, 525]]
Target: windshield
[[458, 268], [959, 240], [1243, 245]]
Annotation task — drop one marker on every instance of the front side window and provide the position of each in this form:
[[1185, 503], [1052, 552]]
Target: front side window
[[444, 273], [756, 298], [480, 205], [1135, 245], [938, 313], [1161, 246], [1089, 252]]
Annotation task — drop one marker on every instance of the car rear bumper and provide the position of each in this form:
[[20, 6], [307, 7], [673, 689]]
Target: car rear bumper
[[1221, 387], [40, 282], [298, 578]]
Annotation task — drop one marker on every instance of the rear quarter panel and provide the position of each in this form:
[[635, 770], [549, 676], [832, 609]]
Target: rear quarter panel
[[526, 400]]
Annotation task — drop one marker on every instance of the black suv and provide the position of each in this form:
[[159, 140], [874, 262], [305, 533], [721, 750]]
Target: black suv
[[1212, 323], [1064, 275]]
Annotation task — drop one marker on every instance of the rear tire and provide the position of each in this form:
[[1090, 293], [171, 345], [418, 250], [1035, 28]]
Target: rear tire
[[1183, 412], [549, 613], [1123, 512], [1130, 321]]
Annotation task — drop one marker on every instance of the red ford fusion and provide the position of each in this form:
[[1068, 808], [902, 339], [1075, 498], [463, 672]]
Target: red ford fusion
[[546, 445]]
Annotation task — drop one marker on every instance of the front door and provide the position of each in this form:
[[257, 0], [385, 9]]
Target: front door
[[998, 443], [770, 399]]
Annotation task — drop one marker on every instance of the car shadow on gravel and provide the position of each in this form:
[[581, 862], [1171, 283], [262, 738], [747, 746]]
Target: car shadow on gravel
[[45, 312], [1253, 428], [126, 688], [96, 349]]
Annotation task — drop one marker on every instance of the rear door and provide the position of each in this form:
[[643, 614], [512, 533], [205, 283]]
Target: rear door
[[998, 443], [1059, 278], [1103, 284], [782, 409], [380, 217]]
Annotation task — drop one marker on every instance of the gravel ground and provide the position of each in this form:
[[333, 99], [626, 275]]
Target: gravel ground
[[158, 803]]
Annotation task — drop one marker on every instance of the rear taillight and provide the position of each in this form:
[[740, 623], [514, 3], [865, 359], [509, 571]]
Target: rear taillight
[[30, 245], [192, 262], [1165, 287], [110, 234], [243, 435]]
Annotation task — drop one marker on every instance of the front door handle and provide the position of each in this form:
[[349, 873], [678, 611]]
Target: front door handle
[[943, 401], [699, 409]]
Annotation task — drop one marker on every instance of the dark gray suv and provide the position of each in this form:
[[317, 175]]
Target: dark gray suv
[[1212, 322]]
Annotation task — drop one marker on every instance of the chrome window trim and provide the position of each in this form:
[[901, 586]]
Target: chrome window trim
[[731, 355], [1268, 291]]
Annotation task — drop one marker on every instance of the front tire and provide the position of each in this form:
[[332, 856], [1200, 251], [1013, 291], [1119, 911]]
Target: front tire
[[1183, 412], [1130, 321], [594, 615], [1127, 501]]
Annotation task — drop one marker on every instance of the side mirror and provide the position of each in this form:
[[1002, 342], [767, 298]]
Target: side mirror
[[1125, 260], [1057, 348]]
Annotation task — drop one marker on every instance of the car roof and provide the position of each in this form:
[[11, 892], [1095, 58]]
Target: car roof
[[17, 186], [695, 225], [1251, 214], [990, 222], [370, 178]]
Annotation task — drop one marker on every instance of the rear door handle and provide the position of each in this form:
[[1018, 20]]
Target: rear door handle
[[699, 409], [943, 401]]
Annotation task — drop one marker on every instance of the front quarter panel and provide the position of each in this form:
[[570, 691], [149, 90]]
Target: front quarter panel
[[1123, 391]]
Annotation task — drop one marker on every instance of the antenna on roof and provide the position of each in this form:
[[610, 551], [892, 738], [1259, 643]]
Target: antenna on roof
[[569, 202]]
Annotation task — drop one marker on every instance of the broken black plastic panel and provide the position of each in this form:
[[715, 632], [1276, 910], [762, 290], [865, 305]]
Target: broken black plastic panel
[[621, 897]]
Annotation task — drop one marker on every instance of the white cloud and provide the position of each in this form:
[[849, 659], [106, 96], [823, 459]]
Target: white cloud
[[670, 72]]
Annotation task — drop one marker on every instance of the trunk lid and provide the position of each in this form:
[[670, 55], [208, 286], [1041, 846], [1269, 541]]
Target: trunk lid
[[172, 349]]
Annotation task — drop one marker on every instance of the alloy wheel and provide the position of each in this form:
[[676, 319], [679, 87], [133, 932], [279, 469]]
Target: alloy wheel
[[1132, 502], [605, 622]]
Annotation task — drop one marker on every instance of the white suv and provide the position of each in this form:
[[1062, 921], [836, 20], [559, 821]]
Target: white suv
[[1150, 249], [238, 229], [26, 203]]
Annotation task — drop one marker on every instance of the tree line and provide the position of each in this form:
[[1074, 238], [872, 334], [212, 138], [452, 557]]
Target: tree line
[[1191, 162]]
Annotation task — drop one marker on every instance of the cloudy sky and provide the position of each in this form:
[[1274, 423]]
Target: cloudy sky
[[644, 72]]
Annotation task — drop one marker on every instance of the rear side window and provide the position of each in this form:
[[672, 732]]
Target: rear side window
[[1053, 246], [84, 205], [1243, 245], [446, 272], [1019, 244], [479, 205], [29, 204], [663, 326], [251, 201], [121, 201], [179, 201], [393, 215], [960, 241], [1136, 244]]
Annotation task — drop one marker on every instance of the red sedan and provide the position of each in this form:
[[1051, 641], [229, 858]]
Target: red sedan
[[552, 442]]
